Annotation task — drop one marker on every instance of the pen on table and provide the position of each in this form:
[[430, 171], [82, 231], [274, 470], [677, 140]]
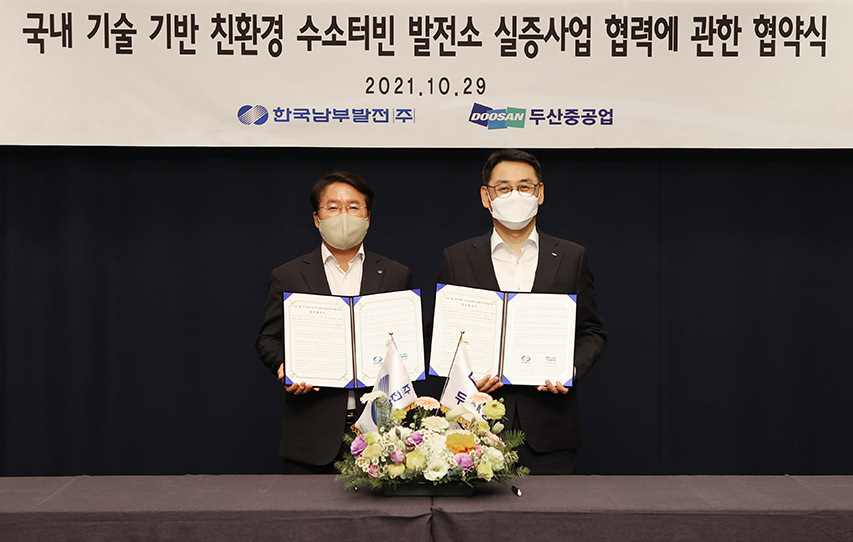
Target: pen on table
[[516, 490]]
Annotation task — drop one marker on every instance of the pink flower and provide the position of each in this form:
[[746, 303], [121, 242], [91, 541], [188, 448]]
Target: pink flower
[[398, 456], [414, 440], [477, 451], [494, 438], [428, 403], [464, 460], [479, 398], [358, 445], [373, 471]]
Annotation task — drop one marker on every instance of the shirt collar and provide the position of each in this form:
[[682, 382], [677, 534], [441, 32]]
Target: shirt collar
[[495, 240], [327, 254]]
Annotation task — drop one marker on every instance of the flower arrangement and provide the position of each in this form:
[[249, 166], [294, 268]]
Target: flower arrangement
[[427, 442]]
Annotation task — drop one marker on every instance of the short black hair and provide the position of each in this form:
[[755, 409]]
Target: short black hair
[[510, 155], [345, 177]]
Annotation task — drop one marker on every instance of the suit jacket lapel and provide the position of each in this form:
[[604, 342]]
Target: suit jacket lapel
[[481, 263], [315, 274], [549, 262], [372, 273]]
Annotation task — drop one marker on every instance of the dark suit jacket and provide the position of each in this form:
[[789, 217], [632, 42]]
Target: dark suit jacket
[[550, 422], [315, 422]]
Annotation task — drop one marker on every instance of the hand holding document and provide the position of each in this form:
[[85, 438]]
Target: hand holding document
[[340, 342], [523, 338]]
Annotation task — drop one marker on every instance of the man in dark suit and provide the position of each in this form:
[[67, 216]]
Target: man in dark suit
[[517, 257], [315, 419]]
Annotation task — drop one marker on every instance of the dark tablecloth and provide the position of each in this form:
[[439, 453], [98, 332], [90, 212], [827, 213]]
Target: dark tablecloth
[[259, 508]]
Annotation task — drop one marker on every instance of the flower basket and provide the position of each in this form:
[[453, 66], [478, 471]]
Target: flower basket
[[428, 449], [429, 489]]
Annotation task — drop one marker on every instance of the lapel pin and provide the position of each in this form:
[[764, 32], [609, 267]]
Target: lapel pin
[[553, 254], [380, 271]]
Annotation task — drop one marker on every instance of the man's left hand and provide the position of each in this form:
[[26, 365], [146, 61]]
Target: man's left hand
[[555, 389]]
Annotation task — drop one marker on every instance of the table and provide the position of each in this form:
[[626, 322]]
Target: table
[[649, 508], [279, 507]]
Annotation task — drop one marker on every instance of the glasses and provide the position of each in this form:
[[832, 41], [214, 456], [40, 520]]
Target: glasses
[[525, 189], [354, 210]]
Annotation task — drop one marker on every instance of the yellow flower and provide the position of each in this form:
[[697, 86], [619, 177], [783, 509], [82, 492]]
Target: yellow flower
[[415, 460], [396, 470], [372, 451], [399, 414], [461, 442], [494, 410], [484, 471]]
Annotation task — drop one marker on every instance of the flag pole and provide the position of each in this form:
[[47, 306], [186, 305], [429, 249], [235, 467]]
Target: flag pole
[[450, 370]]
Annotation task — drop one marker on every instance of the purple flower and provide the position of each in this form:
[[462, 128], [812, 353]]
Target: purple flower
[[398, 456], [414, 440], [358, 446], [464, 460]]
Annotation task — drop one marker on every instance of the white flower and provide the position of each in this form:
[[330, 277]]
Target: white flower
[[436, 468], [437, 444], [372, 396], [434, 423], [496, 458]]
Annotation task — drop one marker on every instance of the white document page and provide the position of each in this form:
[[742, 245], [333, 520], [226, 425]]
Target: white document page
[[476, 312], [540, 338], [318, 340], [376, 316]]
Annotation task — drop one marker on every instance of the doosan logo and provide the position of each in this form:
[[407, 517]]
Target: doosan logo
[[497, 115], [497, 119]]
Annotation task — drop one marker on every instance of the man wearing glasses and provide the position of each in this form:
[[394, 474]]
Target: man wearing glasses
[[516, 257], [314, 418]]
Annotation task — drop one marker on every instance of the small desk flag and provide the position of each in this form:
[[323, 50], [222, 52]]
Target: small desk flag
[[393, 380], [460, 384]]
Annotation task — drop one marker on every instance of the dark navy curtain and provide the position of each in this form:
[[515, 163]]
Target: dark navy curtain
[[134, 283]]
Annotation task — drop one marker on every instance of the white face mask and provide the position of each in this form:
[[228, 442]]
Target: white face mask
[[514, 210], [343, 231]]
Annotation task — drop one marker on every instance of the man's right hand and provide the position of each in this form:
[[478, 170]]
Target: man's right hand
[[488, 384]]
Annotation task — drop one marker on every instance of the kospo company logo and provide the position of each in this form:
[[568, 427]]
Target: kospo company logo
[[496, 119], [252, 115]]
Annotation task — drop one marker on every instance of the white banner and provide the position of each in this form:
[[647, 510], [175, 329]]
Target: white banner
[[534, 74]]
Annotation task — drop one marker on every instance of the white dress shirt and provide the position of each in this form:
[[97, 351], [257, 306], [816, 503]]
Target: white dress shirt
[[346, 283], [343, 282], [515, 273]]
